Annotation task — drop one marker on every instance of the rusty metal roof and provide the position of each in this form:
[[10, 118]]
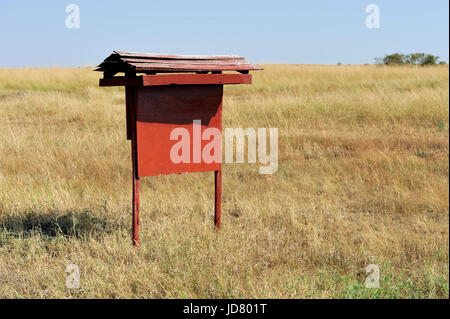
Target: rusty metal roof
[[133, 62]]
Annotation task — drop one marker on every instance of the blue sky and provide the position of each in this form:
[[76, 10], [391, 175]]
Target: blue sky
[[34, 33]]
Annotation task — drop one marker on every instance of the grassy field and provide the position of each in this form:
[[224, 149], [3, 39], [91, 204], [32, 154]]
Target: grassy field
[[363, 179]]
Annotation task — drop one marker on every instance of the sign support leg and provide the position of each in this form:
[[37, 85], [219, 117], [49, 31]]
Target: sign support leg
[[218, 197], [136, 182], [131, 134]]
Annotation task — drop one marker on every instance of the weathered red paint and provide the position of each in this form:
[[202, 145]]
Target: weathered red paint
[[158, 103], [150, 63], [177, 79], [175, 56], [186, 67]]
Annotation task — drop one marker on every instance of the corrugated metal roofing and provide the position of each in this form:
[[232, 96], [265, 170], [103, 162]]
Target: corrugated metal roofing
[[166, 63]]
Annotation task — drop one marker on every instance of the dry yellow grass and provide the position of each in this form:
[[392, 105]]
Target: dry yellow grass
[[363, 178]]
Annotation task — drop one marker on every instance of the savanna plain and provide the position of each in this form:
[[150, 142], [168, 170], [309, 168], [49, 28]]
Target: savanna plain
[[363, 178]]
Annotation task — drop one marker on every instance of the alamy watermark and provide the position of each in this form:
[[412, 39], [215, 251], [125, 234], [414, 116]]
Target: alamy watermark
[[373, 279], [73, 277], [73, 17], [373, 19], [211, 152]]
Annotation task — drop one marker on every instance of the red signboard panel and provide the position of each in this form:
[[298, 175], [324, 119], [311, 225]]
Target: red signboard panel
[[160, 110]]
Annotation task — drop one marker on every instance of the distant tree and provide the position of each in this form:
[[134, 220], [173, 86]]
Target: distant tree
[[394, 59], [413, 59], [430, 60], [379, 61]]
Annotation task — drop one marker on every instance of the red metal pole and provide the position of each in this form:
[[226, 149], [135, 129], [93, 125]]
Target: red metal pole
[[218, 197], [131, 130], [136, 182]]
